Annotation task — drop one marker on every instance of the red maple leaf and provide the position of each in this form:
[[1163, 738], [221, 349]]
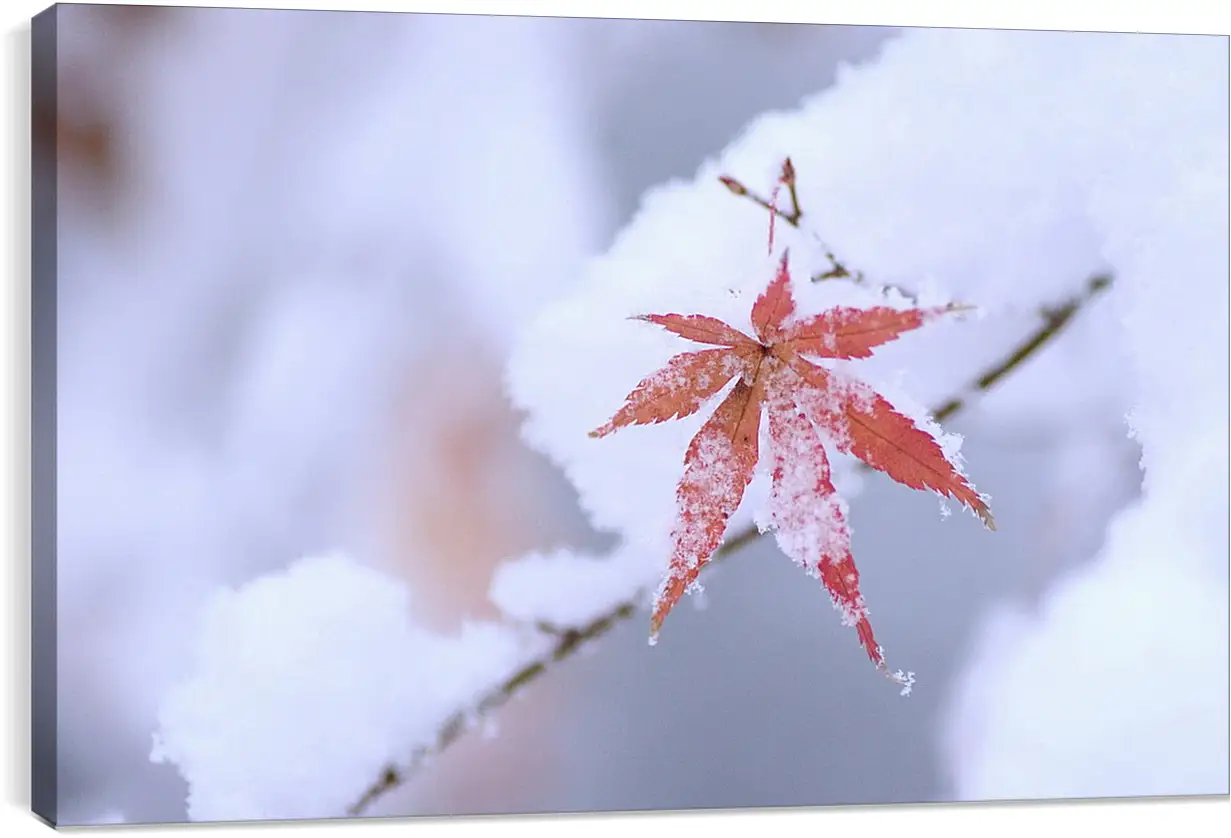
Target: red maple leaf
[[807, 405]]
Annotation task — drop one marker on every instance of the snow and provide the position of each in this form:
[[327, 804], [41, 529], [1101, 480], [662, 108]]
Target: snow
[[1002, 169], [298, 232], [807, 515], [1118, 685], [581, 586], [306, 683]]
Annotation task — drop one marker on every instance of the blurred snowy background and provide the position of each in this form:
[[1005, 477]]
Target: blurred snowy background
[[294, 250]]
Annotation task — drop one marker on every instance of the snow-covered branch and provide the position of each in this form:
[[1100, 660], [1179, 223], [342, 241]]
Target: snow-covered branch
[[569, 641]]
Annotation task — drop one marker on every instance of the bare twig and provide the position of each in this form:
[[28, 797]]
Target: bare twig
[[837, 268], [742, 191], [568, 641], [1054, 320]]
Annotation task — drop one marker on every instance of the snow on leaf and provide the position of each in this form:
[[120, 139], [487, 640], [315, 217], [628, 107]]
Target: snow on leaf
[[807, 404], [863, 423], [843, 332], [717, 469], [677, 390], [809, 518]]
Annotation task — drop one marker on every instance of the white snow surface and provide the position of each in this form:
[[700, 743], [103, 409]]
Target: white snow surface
[[1002, 169], [580, 587], [307, 682], [1119, 684], [1117, 687], [233, 341]]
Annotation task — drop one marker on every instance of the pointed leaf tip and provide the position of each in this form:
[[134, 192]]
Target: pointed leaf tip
[[775, 304]]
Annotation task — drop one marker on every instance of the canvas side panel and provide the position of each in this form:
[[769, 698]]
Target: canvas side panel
[[43, 90]]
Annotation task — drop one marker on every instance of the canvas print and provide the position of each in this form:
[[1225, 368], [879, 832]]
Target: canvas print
[[451, 415]]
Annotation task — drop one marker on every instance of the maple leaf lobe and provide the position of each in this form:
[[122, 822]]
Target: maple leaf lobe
[[677, 390], [699, 328]]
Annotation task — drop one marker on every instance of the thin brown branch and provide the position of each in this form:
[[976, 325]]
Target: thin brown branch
[[569, 641], [837, 269], [787, 178], [1054, 321], [742, 191]]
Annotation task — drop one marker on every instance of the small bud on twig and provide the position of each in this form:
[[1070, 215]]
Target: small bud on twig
[[788, 173]]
